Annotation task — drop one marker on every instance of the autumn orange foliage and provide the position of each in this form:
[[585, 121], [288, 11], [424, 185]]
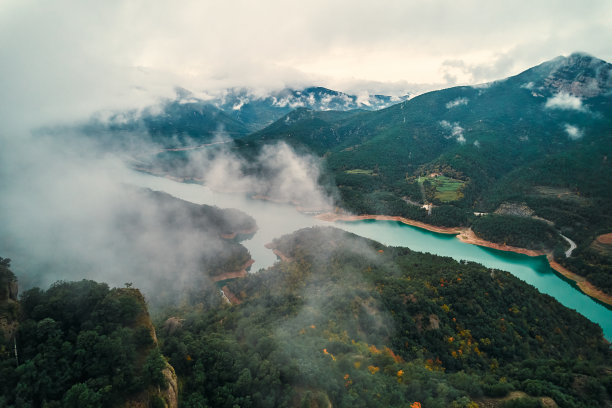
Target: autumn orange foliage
[[373, 369], [329, 354], [394, 356]]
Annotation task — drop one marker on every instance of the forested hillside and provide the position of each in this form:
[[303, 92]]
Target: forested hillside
[[82, 344], [348, 322], [540, 139], [342, 320]]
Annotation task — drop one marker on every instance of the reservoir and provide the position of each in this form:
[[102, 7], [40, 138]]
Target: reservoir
[[275, 220]]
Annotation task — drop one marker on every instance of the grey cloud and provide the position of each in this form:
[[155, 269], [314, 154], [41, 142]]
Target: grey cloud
[[65, 214], [277, 173]]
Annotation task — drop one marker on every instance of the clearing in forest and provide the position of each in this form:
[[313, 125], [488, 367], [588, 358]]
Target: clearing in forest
[[445, 189]]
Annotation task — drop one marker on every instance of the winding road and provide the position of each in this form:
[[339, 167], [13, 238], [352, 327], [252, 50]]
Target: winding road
[[568, 253]]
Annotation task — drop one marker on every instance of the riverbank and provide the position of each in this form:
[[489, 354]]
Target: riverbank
[[241, 273], [278, 253], [233, 235], [468, 236], [332, 217], [584, 285]]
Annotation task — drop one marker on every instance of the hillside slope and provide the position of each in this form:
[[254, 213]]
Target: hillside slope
[[539, 140], [344, 321], [83, 344]]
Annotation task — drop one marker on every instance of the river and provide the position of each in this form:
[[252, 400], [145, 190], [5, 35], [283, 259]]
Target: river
[[275, 219]]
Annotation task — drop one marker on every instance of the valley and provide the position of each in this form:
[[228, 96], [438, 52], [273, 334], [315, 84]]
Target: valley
[[315, 248]]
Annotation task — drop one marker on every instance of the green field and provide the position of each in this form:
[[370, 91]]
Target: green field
[[446, 189]]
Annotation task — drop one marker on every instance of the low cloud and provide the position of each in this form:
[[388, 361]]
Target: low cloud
[[457, 102], [565, 101], [455, 129], [459, 71], [277, 173], [573, 132], [67, 213]]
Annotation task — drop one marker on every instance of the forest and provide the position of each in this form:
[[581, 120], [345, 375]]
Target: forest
[[343, 321], [82, 344], [350, 322]]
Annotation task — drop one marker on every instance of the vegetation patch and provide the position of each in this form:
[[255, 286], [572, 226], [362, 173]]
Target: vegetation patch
[[564, 194], [603, 245], [351, 323], [518, 231], [442, 188], [360, 171]]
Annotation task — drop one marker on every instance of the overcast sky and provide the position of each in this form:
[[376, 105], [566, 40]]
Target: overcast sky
[[63, 59]]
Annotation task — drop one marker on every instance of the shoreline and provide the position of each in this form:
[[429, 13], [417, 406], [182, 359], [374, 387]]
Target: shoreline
[[584, 285], [277, 252], [240, 232], [241, 273], [331, 217], [468, 236]]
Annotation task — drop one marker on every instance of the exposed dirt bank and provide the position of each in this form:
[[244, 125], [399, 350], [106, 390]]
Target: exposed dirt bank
[[584, 285], [236, 274], [278, 253], [605, 239], [331, 217], [469, 237], [240, 232]]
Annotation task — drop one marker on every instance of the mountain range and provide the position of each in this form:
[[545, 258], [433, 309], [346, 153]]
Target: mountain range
[[188, 120]]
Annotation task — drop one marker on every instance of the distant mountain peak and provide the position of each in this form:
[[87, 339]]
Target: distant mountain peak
[[578, 74]]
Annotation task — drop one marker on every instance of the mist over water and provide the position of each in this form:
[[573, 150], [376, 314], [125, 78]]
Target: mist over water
[[273, 219], [70, 210]]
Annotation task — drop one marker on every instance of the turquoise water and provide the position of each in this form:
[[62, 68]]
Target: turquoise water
[[275, 220], [533, 270]]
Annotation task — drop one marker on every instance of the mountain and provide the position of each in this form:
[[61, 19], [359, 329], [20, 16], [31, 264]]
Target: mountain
[[539, 140], [191, 121], [173, 124]]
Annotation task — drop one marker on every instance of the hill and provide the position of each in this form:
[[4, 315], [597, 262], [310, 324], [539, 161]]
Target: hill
[[344, 321]]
